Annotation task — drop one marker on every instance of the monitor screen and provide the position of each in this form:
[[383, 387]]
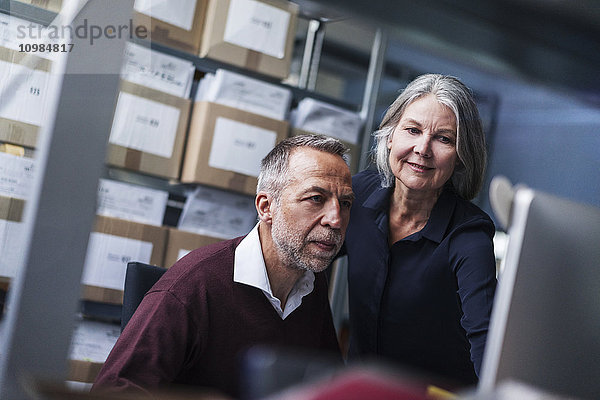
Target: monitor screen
[[545, 326]]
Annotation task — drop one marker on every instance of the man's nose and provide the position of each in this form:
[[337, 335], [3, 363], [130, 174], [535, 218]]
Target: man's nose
[[332, 215]]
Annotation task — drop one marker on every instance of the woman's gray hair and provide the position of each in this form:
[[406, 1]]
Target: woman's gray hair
[[274, 173], [470, 141]]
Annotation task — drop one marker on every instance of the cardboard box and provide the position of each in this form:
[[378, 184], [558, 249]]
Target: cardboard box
[[83, 371], [51, 5], [180, 243], [178, 27], [245, 93], [148, 131], [11, 209], [146, 67], [218, 213], [113, 243], [12, 235], [131, 202], [16, 180], [225, 146], [317, 116], [22, 113], [256, 35], [353, 154]]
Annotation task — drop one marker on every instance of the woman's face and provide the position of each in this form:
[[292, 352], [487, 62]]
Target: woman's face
[[423, 146]]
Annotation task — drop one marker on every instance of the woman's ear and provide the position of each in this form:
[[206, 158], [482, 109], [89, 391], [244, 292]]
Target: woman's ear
[[263, 203]]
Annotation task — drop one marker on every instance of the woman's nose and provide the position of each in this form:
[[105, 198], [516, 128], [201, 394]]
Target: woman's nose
[[423, 146]]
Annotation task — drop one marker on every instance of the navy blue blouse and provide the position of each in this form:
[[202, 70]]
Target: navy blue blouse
[[424, 303]]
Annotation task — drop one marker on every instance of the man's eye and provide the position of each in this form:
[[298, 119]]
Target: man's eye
[[346, 204], [316, 198]]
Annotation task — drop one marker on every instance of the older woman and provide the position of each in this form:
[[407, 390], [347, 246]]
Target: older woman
[[421, 260]]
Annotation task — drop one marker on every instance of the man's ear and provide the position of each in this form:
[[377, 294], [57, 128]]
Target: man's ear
[[264, 203]]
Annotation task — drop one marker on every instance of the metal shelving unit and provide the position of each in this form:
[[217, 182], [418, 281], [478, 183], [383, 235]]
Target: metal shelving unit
[[60, 210], [59, 215]]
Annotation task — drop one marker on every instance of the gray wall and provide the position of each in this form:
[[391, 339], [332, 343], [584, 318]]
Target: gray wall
[[542, 137]]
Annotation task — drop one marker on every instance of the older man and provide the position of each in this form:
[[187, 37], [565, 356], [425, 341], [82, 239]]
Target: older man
[[264, 288]]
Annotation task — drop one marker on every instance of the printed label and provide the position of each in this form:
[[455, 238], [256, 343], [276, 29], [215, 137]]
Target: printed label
[[16, 176], [107, 257], [157, 71], [12, 248], [257, 26], [218, 213], [24, 93], [145, 125], [239, 147], [180, 14], [131, 202]]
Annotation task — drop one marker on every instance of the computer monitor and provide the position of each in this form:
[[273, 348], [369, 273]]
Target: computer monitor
[[545, 325]]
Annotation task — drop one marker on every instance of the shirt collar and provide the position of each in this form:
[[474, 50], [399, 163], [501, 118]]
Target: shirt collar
[[249, 268], [439, 219], [379, 201]]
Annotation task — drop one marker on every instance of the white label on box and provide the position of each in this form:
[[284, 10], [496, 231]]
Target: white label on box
[[16, 32], [248, 94], [16, 176], [218, 213], [257, 26], [12, 247], [93, 340], [179, 13], [239, 147], [145, 125], [107, 257], [324, 118], [24, 93], [131, 202], [158, 71], [182, 253]]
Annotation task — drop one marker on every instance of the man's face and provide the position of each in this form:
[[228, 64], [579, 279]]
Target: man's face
[[310, 220]]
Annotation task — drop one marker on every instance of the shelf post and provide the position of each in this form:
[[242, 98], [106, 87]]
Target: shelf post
[[60, 210]]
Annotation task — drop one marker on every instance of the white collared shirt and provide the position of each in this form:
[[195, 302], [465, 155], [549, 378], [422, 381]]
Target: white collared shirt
[[249, 268]]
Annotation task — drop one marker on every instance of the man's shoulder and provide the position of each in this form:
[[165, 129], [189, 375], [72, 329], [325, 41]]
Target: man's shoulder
[[201, 268]]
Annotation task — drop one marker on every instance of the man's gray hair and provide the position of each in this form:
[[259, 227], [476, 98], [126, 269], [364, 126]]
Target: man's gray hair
[[470, 140], [274, 173]]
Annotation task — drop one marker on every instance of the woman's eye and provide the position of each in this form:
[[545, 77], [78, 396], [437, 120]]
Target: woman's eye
[[413, 131], [444, 139]]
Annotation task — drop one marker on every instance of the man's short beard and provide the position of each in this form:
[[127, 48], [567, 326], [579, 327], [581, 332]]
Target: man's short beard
[[290, 249]]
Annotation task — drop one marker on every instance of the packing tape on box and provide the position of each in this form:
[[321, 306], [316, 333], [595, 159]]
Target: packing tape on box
[[16, 57], [12, 149], [17, 132], [252, 59], [11, 209], [102, 294], [133, 159], [238, 182], [84, 371]]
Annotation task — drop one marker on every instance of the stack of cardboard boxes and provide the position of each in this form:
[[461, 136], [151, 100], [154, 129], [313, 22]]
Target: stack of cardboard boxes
[[254, 35], [211, 146], [24, 89]]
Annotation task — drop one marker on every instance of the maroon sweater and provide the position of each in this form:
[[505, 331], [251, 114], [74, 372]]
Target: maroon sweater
[[195, 322]]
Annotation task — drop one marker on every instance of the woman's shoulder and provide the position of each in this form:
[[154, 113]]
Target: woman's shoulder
[[467, 213], [365, 182]]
